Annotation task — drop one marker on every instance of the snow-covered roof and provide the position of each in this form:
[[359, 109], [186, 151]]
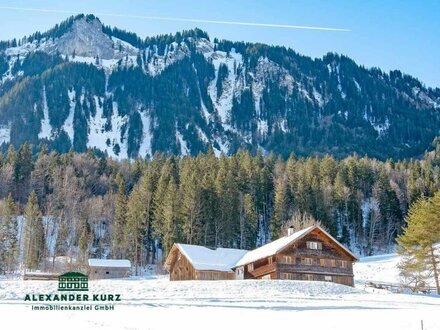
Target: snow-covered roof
[[278, 245], [203, 258], [117, 263], [271, 248]]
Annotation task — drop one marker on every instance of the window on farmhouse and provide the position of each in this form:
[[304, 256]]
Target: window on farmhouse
[[287, 260], [327, 262], [286, 276], [327, 278], [307, 261], [250, 267], [314, 245], [269, 260], [309, 277], [344, 264]]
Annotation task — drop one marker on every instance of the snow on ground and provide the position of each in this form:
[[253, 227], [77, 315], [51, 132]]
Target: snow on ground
[[380, 268], [154, 302], [160, 304], [147, 136], [46, 128], [381, 128], [231, 84], [68, 123], [5, 134], [106, 140], [183, 145]]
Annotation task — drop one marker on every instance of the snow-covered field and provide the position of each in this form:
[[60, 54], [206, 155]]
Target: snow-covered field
[[381, 268], [156, 303]]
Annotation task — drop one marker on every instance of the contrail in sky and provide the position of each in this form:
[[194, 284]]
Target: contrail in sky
[[188, 20]]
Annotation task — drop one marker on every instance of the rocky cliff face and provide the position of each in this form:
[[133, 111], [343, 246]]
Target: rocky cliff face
[[85, 39], [83, 85]]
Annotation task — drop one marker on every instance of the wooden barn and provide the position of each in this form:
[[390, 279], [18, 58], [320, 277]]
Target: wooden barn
[[109, 268], [310, 254], [193, 262]]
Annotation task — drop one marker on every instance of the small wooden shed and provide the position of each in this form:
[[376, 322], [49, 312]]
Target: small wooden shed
[[109, 268], [194, 262]]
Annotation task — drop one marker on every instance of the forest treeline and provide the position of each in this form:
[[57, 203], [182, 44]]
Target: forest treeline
[[80, 205]]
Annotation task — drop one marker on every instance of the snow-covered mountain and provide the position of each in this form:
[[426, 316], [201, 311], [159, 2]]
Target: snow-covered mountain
[[83, 85]]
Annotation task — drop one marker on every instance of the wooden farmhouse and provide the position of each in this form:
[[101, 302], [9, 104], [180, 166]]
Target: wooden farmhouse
[[193, 262], [310, 254], [109, 268]]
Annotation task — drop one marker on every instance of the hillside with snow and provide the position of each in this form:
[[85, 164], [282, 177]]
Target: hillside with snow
[[84, 85]]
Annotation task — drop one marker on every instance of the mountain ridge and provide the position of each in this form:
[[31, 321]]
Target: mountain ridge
[[84, 85]]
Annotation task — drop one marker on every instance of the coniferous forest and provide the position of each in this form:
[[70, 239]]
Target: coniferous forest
[[81, 205]]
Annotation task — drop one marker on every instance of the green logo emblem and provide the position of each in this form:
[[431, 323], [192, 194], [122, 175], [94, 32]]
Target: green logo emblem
[[73, 281]]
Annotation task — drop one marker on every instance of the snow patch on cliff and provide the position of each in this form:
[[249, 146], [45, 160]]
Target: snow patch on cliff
[[5, 134], [145, 148], [46, 127]]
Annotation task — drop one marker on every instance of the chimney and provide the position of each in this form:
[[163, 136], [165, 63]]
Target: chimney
[[290, 231]]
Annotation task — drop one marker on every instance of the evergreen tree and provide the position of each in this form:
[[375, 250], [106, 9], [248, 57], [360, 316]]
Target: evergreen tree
[[248, 223], [417, 244], [83, 242], [191, 204], [62, 240], [9, 248], [34, 241], [171, 231], [120, 219], [139, 213], [281, 203]]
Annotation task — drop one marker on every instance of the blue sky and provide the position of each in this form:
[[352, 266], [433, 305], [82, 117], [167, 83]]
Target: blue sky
[[390, 34]]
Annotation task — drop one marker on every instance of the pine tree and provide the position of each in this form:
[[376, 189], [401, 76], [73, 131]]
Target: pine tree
[[281, 204], [35, 242], [159, 195], [248, 223], [139, 212], [23, 170], [417, 244], [227, 221], [191, 205], [9, 248], [83, 242], [120, 219], [172, 228], [62, 241], [209, 198], [11, 156]]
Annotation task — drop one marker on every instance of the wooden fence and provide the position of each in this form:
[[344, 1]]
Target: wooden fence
[[40, 277], [398, 287]]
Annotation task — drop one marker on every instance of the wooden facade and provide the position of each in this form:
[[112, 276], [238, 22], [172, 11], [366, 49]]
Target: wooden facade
[[108, 268], [181, 269], [314, 257], [103, 272], [310, 255]]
